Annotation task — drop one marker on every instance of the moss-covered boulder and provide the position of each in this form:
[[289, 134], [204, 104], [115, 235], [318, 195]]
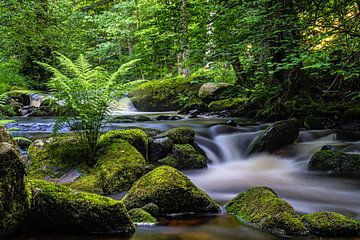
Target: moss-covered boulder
[[198, 105], [331, 224], [213, 91], [275, 136], [180, 135], [140, 216], [227, 104], [171, 191], [118, 166], [335, 162], [159, 148], [135, 137], [13, 195], [184, 156], [57, 208], [165, 95], [262, 207]]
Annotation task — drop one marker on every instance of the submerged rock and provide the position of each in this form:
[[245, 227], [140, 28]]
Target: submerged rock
[[331, 224], [262, 207], [275, 136], [184, 156], [171, 191], [335, 162], [14, 201], [140, 216], [57, 208]]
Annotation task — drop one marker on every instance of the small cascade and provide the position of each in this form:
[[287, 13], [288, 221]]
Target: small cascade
[[31, 103], [124, 106]]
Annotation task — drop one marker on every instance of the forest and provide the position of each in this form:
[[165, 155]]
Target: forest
[[179, 119]]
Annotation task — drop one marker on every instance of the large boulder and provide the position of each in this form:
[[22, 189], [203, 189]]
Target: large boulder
[[171, 191], [13, 195], [276, 135], [165, 95], [335, 162], [57, 208], [209, 92], [331, 224], [262, 207], [184, 156]]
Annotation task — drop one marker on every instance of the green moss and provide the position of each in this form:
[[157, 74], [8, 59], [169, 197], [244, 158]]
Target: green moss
[[214, 91], [335, 162], [165, 95], [57, 208], [184, 156], [331, 224], [139, 215], [194, 105], [275, 136], [135, 137], [227, 104], [180, 135], [171, 191], [118, 166], [263, 208]]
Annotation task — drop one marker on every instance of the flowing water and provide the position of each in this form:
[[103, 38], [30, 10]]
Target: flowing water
[[231, 172]]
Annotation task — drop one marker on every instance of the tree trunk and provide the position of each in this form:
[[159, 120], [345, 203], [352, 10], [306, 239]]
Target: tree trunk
[[185, 35]]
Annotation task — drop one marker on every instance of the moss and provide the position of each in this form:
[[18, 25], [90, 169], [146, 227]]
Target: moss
[[275, 136], [14, 201], [57, 208], [331, 224], [151, 208], [226, 104], [214, 91], [180, 135], [184, 156], [171, 191], [139, 215], [165, 95], [159, 148], [135, 137], [263, 208], [335, 162], [194, 105], [119, 165]]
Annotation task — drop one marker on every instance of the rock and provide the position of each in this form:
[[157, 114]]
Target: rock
[[14, 201], [171, 191], [140, 216], [180, 135], [165, 95], [331, 224], [167, 118], [159, 148], [328, 147], [335, 162], [213, 91], [57, 208], [151, 208], [231, 122], [226, 104], [311, 122], [278, 134], [184, 156], [262, 207], [135, 137], [199, 106]]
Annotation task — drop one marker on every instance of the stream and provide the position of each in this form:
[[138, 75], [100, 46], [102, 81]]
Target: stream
[[231, 172]]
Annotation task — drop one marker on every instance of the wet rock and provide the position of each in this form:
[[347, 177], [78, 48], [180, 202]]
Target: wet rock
[[180, 135], [159, 148], [171, 191], [167, 118], [335, 162], [328, 147], [14, 201], [197, 106], [231, 122], [140, 216], [151, 208], [262, 207], [278, 134], [331, 224], [57, 208], [184, 156], [213, 91]]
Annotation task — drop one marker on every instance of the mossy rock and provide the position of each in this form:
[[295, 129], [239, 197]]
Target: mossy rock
[[165, 95], [335, 162], [276, 135], [195, 105], [55, 156], [213, 91], [311, 122], [140, 216], [14, 201], [331, 224], [262, 207], [135, 137], [119, 165], [171, 191], [159, 148], [227, 104], [184, 156], [180, 135], [57, 208]]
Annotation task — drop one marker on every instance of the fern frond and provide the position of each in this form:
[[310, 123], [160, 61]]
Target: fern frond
[[123, 70]]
